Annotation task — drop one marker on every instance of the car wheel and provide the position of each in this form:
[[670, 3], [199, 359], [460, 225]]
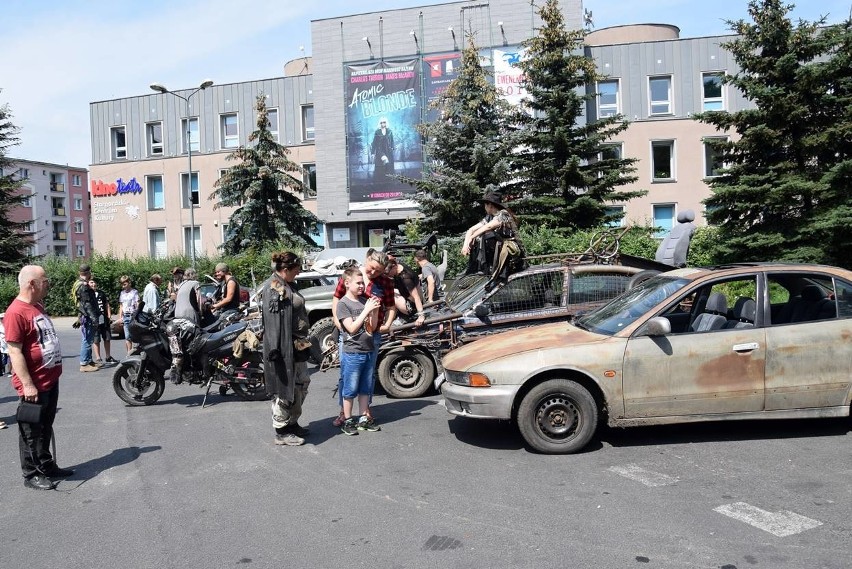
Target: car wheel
[[322, 331], [558, 417], [641, 277], [405, 373]]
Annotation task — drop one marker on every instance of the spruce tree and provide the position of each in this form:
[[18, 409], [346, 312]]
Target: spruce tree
[[467, 149], [265, 189], [784, 194], [15, 239], [561, 169]]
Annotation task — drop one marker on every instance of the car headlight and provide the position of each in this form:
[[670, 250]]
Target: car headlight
[[471, 378]]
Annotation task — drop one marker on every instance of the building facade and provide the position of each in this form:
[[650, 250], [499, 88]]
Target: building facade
[[56, 208], [156, 158]]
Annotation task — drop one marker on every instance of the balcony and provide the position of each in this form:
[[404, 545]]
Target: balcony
[[60, 236], [59, 212], [57, 187]]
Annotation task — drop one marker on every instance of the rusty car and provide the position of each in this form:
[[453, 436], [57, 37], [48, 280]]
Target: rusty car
[[738, 341]]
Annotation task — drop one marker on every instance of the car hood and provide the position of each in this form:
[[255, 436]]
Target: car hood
[[318, 292], [545, 336]]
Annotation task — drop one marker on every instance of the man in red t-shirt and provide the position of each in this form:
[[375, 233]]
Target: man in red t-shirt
[[36, 365]]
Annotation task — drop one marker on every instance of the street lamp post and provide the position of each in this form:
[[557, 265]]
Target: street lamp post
[[161, 89]]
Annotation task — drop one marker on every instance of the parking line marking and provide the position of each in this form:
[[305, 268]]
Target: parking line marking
[[646, 477], [780, 524]]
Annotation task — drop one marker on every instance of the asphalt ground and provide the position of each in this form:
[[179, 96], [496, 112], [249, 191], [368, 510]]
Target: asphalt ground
[[177, 486]]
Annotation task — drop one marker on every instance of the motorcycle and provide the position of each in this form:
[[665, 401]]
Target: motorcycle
[[140, 378]]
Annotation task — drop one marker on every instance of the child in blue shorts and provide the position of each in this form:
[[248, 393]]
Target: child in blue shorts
[[354, 312]]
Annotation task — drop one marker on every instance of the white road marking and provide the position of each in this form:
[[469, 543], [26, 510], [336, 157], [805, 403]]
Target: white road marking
[[646, 477], [781, 523]]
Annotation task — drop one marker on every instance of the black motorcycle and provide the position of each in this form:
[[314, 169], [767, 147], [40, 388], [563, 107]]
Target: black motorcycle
[[140, 378]]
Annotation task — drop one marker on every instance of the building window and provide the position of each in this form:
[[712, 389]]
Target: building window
[[712, 93], [189, 193], [272, 123], [59, 232], [28, 228], [616, 215], [119, 143], [154, 132], [26, 201], [78, 203], [190, 130], [309, 180], [60, 250], [662, 160], [157, 243], [224, 232], [660, 89], [76, 180], [308, 122], [81, 250], [156, 197], [78, 226], [230, 132], [663, 219], [23, 173], [607, 98], [187, 241], [58, 205], [57, 182], [712, 157]]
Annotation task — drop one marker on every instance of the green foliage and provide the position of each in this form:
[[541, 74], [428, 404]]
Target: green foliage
[[250, 268], [15, 241], [467, 149], [785, 194], [563, 174], [265, 188]]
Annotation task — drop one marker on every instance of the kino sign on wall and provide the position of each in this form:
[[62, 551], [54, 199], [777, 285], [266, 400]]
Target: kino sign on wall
[[102, 189]]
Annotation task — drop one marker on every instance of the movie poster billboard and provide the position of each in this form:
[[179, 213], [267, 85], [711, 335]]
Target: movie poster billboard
[[507, 74], [439, 70], [383, 106]]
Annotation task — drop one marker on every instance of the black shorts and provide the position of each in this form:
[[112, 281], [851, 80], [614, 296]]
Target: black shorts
[[102, 333]]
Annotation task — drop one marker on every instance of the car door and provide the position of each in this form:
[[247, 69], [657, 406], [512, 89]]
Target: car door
[[809, 359], [692, 372]]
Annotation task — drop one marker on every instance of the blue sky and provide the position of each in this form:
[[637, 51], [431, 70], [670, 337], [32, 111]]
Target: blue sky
[[57, 56]]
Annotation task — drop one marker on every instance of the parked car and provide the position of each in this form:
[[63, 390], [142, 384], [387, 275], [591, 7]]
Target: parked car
[[744, 341], [410, 358]]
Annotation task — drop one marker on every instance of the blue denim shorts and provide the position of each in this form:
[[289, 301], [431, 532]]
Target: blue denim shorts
[[126, 329], [355, 370]]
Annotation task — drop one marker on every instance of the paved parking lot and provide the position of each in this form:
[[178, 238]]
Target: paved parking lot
[[174, 485]]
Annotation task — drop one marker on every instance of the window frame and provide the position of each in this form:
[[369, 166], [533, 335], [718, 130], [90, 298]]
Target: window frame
[[187, 235], [76, 180], [310, 192], [706, 156], [670, 143], [720, 100], [185, 192], [151, 194], [308, 132], [273, 127], [78, 201], [229, 141], [606, 107], [155, 149], [186, 134], [116, 149], [78, 226], [151, 249], [658, 102], [664, 231]]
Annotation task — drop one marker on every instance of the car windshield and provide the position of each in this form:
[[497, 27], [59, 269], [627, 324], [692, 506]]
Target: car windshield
[[630, 305], [464, 289]]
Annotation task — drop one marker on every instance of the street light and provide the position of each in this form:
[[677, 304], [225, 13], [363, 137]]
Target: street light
[[161, 89]]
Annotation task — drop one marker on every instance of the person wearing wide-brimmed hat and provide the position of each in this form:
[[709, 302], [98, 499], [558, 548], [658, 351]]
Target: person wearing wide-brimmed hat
[[492, 244]]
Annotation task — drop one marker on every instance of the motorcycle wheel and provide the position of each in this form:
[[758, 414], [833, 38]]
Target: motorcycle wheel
[[146, 392], [252, 391]]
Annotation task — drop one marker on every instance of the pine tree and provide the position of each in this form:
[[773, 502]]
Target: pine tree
[[15, 240], [467, 149], [561, 167], [265, 189], [785, 192]]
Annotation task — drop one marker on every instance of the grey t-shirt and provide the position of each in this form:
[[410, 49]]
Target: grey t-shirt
[[361, 342], [186, 301], [425, 271]]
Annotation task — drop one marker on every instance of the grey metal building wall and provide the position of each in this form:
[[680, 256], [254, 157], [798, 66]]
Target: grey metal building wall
[[339, 40], [684, 59], [287, 94]]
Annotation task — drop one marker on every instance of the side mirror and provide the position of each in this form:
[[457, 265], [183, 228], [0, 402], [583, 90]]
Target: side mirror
[[656, 326], [482, 310]]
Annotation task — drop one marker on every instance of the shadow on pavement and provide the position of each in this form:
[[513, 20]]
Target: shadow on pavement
[[486, 433], [385, 413], [88, 470]]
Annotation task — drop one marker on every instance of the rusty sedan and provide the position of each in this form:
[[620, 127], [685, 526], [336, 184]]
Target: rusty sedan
[[743, 341]]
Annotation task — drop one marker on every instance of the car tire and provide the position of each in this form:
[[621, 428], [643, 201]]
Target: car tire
[[641, 277], [322, 331], [405, 373], [558, 416]]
